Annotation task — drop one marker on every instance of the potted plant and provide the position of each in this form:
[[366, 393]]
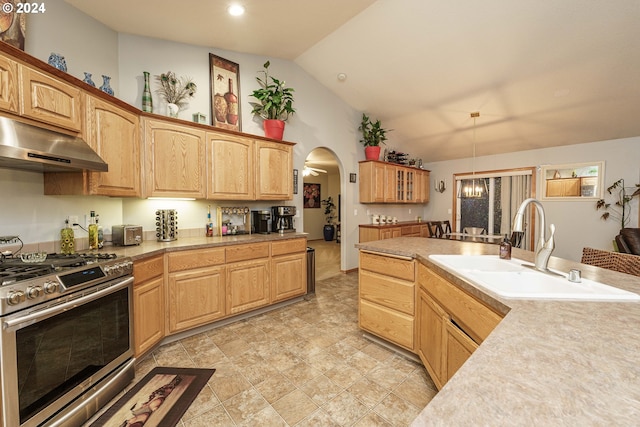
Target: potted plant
[[274, 103], [373, 134], [175, 91], [619, 209], [329, 229]]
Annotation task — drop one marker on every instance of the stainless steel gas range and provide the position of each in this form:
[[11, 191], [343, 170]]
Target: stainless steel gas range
[[66, 339]]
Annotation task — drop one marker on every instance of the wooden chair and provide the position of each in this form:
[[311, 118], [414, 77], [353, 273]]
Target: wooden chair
[[624, 263], [435, 229], [516, 239], [446, 226]]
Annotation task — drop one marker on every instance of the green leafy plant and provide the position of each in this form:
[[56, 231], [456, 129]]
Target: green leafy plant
[[619, 208], [329, 209], [176, 90], [373, 134], [275, 101]]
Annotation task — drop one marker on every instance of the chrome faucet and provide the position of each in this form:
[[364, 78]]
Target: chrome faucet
[[543, 247]]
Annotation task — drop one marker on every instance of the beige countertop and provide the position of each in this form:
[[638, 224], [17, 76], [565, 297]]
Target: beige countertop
[[548, 362], [150, 248]]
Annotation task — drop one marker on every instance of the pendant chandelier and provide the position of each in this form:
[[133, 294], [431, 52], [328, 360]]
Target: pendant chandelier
[[474, 188]]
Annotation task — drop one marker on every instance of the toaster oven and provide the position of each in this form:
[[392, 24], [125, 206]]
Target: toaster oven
[[126, 235]]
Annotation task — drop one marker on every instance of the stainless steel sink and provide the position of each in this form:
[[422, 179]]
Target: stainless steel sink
[[514, 279]]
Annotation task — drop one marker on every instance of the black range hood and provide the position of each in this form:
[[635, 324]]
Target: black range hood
[[28, 147]]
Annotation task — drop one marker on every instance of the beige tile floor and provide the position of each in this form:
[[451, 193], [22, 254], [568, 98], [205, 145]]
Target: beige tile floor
[[306, 364]]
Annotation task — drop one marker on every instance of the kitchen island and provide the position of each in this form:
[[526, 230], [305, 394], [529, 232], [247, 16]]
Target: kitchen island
[[548, 362]]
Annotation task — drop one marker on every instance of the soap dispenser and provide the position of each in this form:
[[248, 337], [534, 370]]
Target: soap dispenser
[[505, 248]]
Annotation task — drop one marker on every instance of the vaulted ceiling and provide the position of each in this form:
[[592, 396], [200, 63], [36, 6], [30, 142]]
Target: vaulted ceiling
[[540, 73]]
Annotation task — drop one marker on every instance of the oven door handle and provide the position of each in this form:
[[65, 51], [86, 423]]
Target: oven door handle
[[66, 306]]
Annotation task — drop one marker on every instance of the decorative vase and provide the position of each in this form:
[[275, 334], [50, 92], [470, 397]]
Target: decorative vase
[[329, 232], [58, 61], [106, 88], [172, 110], [147, 102], [87, 79], [372, 152], [273, 129]]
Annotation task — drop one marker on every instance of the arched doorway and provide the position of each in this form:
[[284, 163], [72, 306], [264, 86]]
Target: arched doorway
[[321, 180]]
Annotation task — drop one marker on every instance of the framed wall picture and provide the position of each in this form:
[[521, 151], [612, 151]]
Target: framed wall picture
[[13, 21], [225, 93], [311, 195]]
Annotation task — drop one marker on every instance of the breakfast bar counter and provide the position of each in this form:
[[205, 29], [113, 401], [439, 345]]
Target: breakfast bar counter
[[548, 362]]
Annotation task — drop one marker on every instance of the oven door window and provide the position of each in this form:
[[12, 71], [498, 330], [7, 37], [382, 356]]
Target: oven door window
[[58, 353]]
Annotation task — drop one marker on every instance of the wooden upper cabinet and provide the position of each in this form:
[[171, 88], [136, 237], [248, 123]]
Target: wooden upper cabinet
[[274, 171], [8, 85], [50, 100], [231, 165], [371, 184], [174, 160], [423, 186], [115, 135]]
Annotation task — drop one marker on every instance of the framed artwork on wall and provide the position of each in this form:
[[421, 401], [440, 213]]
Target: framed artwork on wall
[[311, 195], [13, 21], [225, 93]]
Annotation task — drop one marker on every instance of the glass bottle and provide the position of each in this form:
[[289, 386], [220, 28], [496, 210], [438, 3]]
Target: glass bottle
[[93, 232], [100, 233], [67, 240], [232, 105], [147, 102]]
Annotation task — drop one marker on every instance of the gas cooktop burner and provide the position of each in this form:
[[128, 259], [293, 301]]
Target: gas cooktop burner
[[14, 270]]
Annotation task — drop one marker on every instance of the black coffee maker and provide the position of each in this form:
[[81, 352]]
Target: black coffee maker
[[261, 221], [283, 219]]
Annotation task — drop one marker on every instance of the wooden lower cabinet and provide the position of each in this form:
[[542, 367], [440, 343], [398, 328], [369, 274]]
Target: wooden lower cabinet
[[451, 325], [196, 297], [387, 298], [247, 285], [368, 234], [196, 288], [148, 304]]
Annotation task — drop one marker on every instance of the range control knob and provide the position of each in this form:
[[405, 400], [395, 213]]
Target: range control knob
[[50, 287], [34, 292], [15, 297]]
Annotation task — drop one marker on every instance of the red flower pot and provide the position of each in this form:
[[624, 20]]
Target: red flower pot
[[273, 129], [372, 152]]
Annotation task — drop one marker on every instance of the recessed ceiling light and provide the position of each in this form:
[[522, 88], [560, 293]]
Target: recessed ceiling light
[[342, 77], [235, 10]]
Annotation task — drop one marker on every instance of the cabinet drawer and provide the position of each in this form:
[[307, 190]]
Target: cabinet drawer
[[387, 265], [288, 247], [148, 268], [411, 230], [474, 317], [388, 324], [188, 260], [247, 252], [389, 292]]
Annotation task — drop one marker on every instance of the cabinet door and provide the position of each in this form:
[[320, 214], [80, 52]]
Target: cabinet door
[[390, 184], [371, 186], [196, 297], [8, 85], [288, 276], [230, 165], [410, 186], [274, 171], [115, 135], [400, 185], [49, 100], [431, 336], [247, 285], [148, 314], [458, 348], [175, 160], [424, 189]]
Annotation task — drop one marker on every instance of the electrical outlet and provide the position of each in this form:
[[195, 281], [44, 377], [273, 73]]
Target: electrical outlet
[[409, 211], [355, 212], [73, 219]]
